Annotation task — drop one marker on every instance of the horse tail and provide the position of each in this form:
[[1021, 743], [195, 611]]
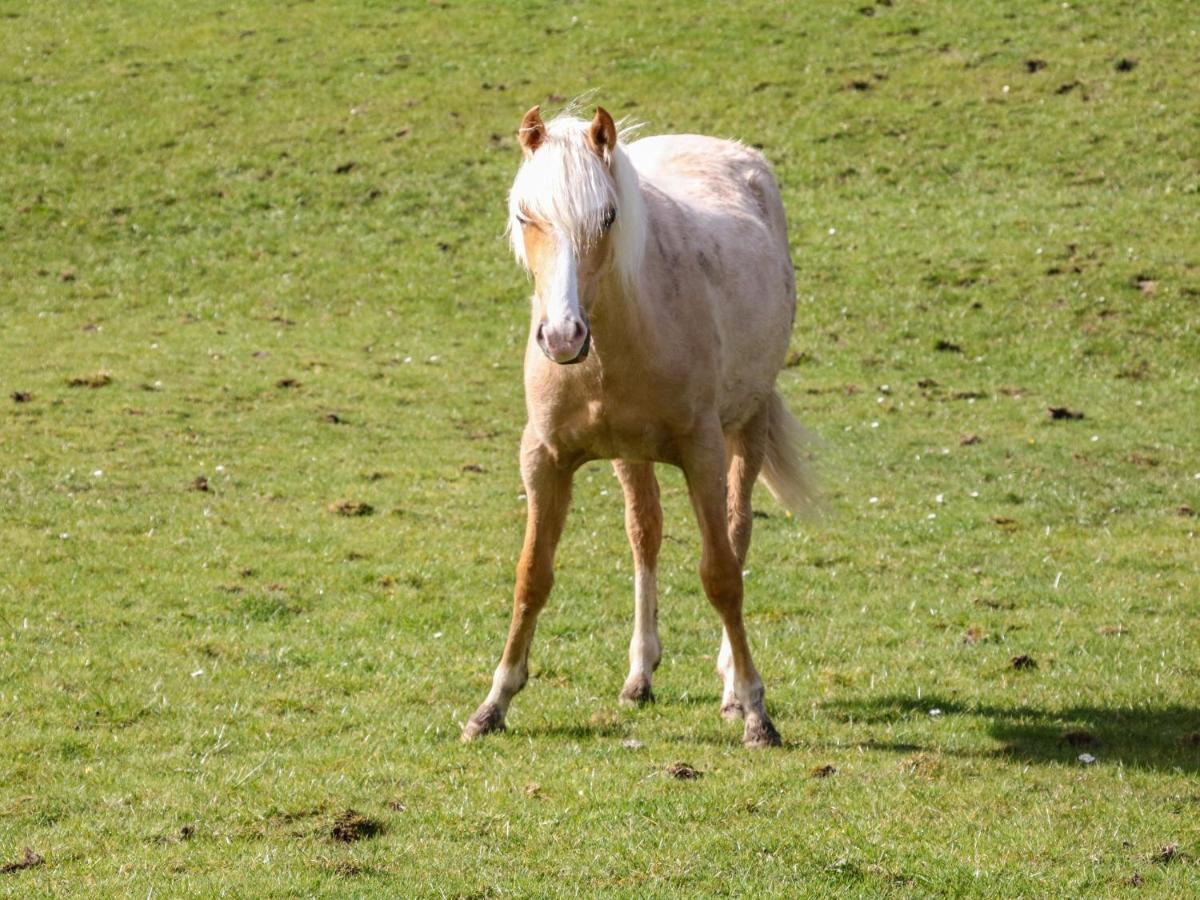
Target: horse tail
[[784, 472]]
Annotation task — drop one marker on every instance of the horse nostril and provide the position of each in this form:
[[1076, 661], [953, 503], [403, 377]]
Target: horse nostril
[[541, 333], [579, 331]]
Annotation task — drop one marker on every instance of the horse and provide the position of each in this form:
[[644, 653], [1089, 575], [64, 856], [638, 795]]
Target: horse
[[662, 309]]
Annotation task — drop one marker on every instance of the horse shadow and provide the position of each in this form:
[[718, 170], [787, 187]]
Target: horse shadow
[[1153, 737]]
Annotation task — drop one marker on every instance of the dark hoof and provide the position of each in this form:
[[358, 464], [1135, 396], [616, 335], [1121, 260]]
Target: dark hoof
[[487, 718], [732, 710], [637, 691], [760, 733]]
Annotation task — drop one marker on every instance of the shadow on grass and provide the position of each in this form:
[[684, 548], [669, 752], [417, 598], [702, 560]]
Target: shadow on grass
[[1150, 737]]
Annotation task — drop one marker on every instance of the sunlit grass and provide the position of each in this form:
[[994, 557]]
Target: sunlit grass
[[277, 231]]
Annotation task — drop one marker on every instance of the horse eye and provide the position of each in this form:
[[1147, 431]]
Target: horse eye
[[609, 217]]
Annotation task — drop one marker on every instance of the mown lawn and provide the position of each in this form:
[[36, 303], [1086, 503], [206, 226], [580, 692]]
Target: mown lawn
[[264, 242]]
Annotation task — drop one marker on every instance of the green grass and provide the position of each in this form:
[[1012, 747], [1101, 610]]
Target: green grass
[[195, 684]]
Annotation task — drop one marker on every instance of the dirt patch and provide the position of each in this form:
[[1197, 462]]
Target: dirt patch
[[351, 825], [1168, 853], [1125, 65], [95, 380], [1023, 663], [973, 635], [28, 861], [1034, 65], [473, 467], [333, 419], [287, 383], [1080, 737], [681, 771], [351, 508], [969, 440], [821, 771], [345, 168], [199, 483], [21, 396], [1185, 511], [944, 346], [1062, 412], [1112, 630]]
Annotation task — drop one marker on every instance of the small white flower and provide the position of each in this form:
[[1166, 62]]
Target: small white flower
[[874, 424], [869, 500], [833, 231], [935, 712], [99, 473], [1086, 758], [939, 498]]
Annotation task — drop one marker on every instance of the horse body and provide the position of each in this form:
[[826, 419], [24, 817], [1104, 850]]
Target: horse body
[[666, 276], [706, 323]]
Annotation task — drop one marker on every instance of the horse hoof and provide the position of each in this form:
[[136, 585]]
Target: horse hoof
[[760, 733], [487, 719], [637, 691], [732, 710]]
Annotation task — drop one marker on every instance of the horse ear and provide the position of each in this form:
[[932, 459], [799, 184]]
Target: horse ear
[[602, 135], [532, 131]]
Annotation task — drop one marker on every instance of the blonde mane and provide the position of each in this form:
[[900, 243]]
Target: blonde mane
[[568, 186]]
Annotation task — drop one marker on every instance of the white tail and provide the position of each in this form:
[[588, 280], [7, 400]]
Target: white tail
[[784, 472]]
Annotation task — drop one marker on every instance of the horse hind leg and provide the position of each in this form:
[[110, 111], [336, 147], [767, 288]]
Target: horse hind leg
[[643, 524], [704, 467], [745, 451]]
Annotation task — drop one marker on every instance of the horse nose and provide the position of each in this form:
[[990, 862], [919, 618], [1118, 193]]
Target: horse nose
[[564, 341]]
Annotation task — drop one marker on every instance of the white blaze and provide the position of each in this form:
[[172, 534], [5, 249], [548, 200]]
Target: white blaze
[[562, 293]]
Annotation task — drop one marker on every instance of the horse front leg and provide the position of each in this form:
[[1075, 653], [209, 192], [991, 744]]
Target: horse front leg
[[548, 493], [643, 524], [721, 574]]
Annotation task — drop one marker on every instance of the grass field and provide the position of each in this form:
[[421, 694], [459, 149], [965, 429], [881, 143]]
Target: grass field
[[253, 266]]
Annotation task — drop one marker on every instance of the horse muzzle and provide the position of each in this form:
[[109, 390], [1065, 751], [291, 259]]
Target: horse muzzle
[[565, 343]]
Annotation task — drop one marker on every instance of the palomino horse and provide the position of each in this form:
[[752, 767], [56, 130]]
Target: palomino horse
[[662, 309]]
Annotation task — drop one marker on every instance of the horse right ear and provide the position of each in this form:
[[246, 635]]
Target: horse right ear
[[532, 131]]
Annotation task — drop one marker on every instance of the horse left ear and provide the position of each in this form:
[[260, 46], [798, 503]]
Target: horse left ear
[[602, 135]]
